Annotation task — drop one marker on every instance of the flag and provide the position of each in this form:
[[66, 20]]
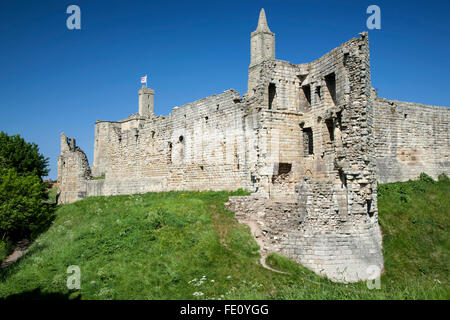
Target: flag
[[144, 79]]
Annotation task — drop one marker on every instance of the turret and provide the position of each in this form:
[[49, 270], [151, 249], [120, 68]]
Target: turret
[[262, 47], [146, 102], [262, 42]]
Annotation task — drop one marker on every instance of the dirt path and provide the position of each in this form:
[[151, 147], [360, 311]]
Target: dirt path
[[257, 234], [254, 229], [19, 251]]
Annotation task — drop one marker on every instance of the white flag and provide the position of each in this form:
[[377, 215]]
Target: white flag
[[144, 79]]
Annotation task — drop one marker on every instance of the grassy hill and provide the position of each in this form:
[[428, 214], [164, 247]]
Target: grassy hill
[[185, 245]]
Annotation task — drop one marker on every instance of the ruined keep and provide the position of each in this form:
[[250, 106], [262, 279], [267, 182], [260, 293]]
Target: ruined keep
[[310, 141]]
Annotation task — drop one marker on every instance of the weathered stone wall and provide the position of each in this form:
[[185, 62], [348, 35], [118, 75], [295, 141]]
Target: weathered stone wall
[[335, 231], [340, 250], [103, 130], [410, 139], [338, 205], [199, 146], [73, 171], [340, 123]]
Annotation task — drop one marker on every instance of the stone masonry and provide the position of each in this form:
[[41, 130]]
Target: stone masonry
[[310, 141]]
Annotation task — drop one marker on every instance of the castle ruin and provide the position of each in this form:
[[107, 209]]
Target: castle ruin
[[310, 141]]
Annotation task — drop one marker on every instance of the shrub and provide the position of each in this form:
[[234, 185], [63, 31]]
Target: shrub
[[23, 211], [426, 178], [5, 249], [443, 177], [16, 153]]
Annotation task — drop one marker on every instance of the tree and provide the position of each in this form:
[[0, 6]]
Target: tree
[[23, 211], [23, 208], [23, 156]]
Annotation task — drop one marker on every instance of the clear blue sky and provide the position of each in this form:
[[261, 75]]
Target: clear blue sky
[[55, 80]]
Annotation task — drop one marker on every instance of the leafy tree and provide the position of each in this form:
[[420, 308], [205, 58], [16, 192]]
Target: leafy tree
[[23, 156], [23, 211], [23, 195]]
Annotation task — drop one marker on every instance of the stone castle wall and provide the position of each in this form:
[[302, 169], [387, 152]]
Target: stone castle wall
[[73, 171], [199, 146], [410, 139], [334, 229]]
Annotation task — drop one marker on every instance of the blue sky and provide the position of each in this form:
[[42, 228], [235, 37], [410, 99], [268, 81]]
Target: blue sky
[[55, 80]]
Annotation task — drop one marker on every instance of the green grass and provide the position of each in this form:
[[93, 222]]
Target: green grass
[[160, 246], [52, 193]]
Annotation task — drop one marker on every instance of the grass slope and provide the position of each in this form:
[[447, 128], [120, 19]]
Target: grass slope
[[185, 245]]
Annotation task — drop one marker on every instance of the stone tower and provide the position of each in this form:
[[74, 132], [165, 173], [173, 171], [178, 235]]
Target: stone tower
[[262, 48], [262, 42], [146, 102]]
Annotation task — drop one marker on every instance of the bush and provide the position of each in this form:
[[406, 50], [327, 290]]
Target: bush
[[23, 211], [443, 178], [23, 156], [426, 178], [5, 249]]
